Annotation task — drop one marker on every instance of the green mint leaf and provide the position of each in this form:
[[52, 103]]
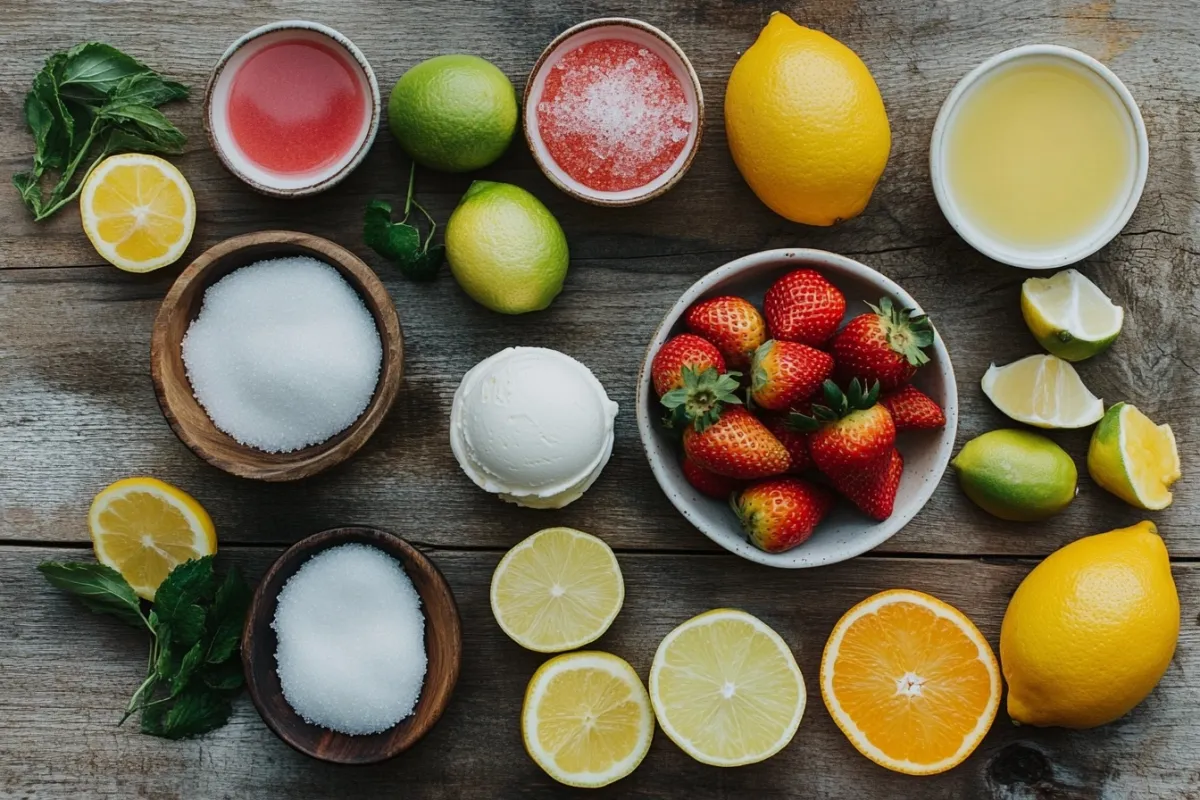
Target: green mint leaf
[[226, 617], [94, 69], [177, 603], [101, 588], [191, 661], [398, 242], [131, 139], [147, 89], [31, 191], [154, 719], [225, 677], [147, 122], [426, 265], [196, 711]]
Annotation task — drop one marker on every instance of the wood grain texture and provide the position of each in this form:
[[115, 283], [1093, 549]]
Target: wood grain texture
[[182, 305], [67, 674]]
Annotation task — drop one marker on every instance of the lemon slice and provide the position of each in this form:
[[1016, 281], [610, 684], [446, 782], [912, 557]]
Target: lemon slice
[[586, 719], [1133, 458], [138, 211], [1043, 391], [1069, 315], [557, 590], [143, 528], [726, 689]]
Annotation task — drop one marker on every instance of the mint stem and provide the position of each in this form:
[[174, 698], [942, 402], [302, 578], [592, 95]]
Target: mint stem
[[408, 198], [432, 225]]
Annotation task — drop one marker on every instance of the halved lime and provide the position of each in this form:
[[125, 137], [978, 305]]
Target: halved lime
[[1043, 391], [1134, 458], [1069, 315]]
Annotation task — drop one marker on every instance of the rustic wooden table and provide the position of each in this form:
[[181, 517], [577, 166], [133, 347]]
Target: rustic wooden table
[[77, 409]]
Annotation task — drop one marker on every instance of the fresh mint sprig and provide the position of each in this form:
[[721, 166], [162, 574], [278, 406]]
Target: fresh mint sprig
[[400, 242]]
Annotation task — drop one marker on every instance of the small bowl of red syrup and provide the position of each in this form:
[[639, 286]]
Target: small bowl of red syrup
[[292, 108], [613, 112]]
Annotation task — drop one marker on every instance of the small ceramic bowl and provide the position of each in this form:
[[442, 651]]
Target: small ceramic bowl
[[1050, 257], [657, 42], [185, 414], [216, 102], [443, 648], [845, 533]]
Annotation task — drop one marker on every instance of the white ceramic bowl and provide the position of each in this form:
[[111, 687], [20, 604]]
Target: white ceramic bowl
[[845, 533], [216, 100], [1044, 258], [638, 32]]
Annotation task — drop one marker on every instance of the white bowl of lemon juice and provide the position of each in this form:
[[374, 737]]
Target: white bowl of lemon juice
[[1039, 156]]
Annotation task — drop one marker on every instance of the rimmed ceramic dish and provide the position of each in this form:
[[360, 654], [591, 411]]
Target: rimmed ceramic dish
[[443, 649], [174, 391], [845, 533], [638, 32], [1093, 240], [216, 102]]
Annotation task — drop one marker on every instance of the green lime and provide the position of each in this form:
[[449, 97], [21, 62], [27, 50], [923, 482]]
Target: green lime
[[1069, 315], [1016, 475], [454, 113], [506, 249]]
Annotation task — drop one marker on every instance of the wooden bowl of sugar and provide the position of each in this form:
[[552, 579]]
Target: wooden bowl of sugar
[[442, 639], [268, 444]]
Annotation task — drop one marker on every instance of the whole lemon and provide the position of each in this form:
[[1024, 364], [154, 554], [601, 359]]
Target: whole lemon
[[806, 124], [1091, 630]]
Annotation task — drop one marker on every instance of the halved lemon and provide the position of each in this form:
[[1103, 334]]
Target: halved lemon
[[557, 590], [1043, 391], [138, 211], [586, 719], [726, 688], [1069, 315], [1134, 458], [144, 528], [910, 681]]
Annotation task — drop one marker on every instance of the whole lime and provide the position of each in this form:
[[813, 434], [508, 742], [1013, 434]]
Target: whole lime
[[506, 250], [454, 113], [1016, 475]]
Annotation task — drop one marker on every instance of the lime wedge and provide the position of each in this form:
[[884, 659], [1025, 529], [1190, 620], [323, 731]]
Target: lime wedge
[[1043, 391], [1069, 315], [1134, 458]]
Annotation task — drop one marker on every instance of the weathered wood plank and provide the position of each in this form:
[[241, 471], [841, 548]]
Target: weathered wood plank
[[66, 673]]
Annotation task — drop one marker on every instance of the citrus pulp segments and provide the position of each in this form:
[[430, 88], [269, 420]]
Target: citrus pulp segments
[[586, 719], [138, 211], [143, 528], [878, 695], [1043, 391], [1069, 315], [557, 590], [1134, 458], [700, 681]]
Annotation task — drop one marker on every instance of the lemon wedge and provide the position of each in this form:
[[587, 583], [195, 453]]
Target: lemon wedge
[[586, 719], [1043, 391], [1069, 315], [557, 590], [144, 528], [138, 211], [726, 689], [1134, 458]]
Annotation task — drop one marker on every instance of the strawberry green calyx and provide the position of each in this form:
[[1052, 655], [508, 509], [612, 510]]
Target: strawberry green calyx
[[702, 397], [907, 332], [838, 404]]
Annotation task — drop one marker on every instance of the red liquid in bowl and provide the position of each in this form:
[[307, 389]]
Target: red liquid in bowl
[[296, 107]]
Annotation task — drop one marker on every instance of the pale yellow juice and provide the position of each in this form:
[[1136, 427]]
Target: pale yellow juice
[[1040, 153]]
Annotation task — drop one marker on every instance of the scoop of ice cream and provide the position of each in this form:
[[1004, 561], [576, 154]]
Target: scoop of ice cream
[[533, 426]]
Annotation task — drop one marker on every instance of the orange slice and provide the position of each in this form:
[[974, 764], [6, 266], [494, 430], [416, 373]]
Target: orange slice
[[910, 681]]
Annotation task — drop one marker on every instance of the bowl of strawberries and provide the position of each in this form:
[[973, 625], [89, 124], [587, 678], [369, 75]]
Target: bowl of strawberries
[[797, 407]]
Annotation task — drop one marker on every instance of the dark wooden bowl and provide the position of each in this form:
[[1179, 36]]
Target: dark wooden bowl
[[443, 647], [181, 305]]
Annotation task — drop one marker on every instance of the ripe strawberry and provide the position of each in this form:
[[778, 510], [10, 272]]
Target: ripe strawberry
[[874, 490], [850, 432], [795, 441], [913, 410], [709, 483], [784, 373], [684, 350], [780, 513], [737, 445], [885, 345], [733, 324], [803, 307]]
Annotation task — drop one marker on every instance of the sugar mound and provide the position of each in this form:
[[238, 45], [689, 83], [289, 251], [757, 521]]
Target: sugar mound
[[283, 355], [351, 654]]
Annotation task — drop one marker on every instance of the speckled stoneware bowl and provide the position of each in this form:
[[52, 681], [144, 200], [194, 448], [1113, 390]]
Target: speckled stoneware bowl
[[845, 533], [216, 99]]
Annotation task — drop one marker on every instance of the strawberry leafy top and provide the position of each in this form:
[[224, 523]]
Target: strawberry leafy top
[[906, 332], [838, 404], [702, 397]]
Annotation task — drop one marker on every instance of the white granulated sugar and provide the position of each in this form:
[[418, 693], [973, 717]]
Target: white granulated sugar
[[283, 355], [351, 654]]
